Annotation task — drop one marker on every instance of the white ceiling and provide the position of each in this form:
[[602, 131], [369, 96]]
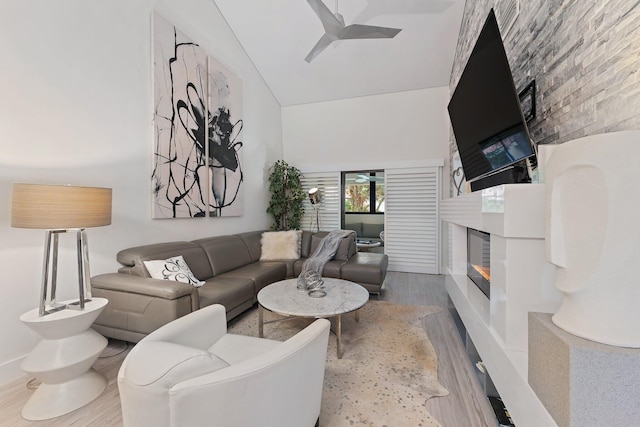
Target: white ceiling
[[278, 34]]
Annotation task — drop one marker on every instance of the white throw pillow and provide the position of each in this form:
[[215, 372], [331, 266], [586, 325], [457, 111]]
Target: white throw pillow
[[174, 268], [277, 245]]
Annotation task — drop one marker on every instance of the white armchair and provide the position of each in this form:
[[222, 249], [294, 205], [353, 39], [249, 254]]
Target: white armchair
[[191, 372]]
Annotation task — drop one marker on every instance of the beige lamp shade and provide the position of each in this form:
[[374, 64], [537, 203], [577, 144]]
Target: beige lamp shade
[[59, 206]]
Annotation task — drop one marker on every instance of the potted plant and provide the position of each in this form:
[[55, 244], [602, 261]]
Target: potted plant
[[286, 196]]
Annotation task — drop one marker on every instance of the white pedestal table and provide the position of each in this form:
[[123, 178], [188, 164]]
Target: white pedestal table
[[62, 360]]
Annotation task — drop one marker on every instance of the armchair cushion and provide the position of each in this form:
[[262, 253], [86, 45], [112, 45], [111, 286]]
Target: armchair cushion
[[237, 348], [165, 364]]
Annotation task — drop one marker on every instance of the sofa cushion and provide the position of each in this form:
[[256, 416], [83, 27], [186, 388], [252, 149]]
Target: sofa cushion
[[331, 269], [164, 364], [366, 268], [231, 292], [262, 273], [195, 257], [172, 269], [225, 253], [305, 249], [252, 240], [277, 245], [344, 251]]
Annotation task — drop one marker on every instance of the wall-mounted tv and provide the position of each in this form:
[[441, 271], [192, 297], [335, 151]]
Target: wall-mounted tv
[[489, 127]]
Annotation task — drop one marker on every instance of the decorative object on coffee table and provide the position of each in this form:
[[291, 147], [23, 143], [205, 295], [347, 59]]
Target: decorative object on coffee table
[[309, 281]]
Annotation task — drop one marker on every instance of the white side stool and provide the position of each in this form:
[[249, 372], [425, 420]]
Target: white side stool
[[62, 360]]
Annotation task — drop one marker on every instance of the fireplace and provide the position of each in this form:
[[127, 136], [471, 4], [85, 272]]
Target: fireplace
[[478, 264]]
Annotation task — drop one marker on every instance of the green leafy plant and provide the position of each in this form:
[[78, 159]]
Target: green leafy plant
[[286, 196]]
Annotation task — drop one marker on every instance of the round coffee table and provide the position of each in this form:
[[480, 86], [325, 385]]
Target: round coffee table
[[285, 299]]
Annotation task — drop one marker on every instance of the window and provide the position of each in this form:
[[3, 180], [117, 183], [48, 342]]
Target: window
[[363, 192]]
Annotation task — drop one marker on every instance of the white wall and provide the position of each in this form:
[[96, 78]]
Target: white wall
[[76, 108], [368, 132]]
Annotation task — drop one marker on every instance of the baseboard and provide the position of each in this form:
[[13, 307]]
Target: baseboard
[[10, 371]]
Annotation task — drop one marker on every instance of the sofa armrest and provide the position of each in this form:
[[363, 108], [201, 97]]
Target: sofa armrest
[[167, 289]]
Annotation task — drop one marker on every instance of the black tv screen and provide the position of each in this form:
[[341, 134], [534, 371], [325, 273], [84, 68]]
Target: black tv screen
[[487, 120]]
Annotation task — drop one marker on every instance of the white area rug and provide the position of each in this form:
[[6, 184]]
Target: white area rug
[[388, 369]]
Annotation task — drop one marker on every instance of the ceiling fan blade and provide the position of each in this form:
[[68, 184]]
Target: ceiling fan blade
[[330, 23], [357, 31], [322, 44]]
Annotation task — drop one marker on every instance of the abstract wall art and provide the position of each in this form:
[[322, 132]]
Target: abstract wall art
[[197, 168]]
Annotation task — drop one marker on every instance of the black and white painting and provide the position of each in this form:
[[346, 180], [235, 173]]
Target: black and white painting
[[197, 168], [225, 127]]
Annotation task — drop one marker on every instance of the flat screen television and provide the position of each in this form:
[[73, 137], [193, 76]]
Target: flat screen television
[[488, 124]]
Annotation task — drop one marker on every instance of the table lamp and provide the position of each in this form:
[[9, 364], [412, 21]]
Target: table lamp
[[60, 209]]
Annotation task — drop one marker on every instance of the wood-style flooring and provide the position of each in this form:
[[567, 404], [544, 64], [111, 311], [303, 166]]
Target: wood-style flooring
[[465, 406]]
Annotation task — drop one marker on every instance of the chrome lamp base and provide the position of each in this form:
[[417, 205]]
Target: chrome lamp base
[[50, 273]]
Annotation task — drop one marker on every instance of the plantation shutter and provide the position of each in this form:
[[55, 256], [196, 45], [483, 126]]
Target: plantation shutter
[[412, 231], [329, 209]]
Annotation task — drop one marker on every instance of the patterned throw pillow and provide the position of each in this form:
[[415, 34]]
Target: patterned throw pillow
[[174, 268]]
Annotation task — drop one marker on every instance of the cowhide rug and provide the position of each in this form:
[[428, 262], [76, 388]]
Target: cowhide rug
[[388, 369]]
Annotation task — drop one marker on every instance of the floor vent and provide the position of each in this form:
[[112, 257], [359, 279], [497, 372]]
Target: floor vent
[[507, 13]]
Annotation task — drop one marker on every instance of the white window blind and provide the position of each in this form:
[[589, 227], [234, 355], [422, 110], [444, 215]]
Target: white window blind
[[329, 209], [412, 230]]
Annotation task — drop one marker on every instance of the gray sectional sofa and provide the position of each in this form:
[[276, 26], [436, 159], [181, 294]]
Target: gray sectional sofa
[[232, 271]]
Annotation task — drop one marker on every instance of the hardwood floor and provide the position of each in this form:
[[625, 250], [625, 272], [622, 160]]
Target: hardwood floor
[[465, 406]]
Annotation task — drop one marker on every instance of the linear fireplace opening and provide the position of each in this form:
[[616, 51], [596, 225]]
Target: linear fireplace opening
[[478, 264]]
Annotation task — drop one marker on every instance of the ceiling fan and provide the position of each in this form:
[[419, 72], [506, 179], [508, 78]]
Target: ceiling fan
[[336, 30], [367, 178]]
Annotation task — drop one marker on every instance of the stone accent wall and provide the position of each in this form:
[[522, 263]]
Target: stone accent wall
[[583, 54]]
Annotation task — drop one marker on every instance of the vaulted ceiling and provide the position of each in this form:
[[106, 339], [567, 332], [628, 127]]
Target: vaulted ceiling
[[278, 35]]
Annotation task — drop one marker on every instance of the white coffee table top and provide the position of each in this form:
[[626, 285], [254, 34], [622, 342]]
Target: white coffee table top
[[285, 299]]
